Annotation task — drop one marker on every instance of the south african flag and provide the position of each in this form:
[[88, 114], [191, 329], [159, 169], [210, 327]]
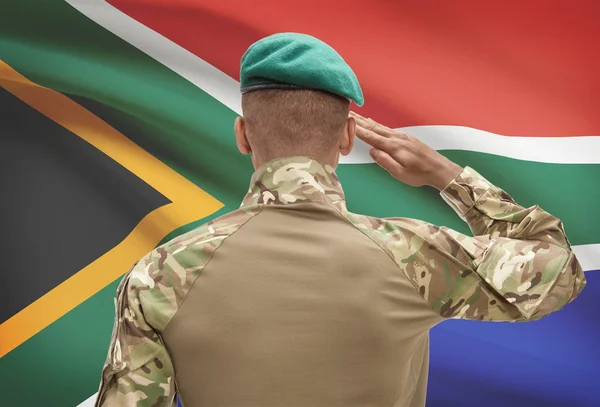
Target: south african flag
[[116, 135]]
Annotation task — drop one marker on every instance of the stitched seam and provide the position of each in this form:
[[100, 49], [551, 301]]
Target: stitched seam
[[206, 264], [328, 202], [391, 258]]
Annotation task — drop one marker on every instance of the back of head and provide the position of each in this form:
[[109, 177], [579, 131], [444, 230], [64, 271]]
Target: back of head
[[296, 94], [287, 122]]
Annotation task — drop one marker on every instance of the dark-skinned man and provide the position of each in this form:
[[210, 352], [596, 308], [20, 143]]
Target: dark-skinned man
[[292, 300]]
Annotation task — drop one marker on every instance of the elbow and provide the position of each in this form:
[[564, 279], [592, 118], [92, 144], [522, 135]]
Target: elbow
[[537, 278], [557, 287]]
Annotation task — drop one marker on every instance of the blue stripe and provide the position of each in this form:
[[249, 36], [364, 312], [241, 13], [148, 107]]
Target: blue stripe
[[551, 362]]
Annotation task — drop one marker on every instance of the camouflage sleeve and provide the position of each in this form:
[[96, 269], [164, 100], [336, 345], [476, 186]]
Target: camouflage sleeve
[[138, 371], [488, 210], [519, 266]]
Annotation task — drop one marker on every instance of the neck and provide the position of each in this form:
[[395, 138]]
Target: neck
[[331, 159]]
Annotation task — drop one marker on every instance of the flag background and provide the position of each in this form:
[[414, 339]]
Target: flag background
[[526, 71]]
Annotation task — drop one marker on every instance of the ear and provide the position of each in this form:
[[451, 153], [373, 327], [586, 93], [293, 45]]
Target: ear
[[241, 139], [347, 139]]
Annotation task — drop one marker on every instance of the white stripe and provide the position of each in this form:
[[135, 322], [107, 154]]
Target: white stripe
[[89, 402], [202, 74], [562, 150], [588, 256], [557, 150]]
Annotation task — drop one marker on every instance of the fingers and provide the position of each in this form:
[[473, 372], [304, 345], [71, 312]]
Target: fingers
[[387, 162], [376, 140], [372, 125]]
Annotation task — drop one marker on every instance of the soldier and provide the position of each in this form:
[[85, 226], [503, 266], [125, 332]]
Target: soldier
[[292, 300]]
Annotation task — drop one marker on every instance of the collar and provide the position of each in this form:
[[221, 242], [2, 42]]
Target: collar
[[294, 179]]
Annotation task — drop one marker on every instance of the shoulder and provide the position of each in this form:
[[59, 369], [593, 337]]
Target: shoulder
[[162, 278], [386, 231], [418, 247], [403, 237], [393, 235]]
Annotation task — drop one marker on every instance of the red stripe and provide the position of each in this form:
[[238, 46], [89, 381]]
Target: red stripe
[[512, 69]]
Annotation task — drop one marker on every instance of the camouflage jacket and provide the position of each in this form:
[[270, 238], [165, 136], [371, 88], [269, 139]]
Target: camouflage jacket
[[518, 266]]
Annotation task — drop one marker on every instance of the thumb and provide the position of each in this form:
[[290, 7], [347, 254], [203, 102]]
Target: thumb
[[387, 162]]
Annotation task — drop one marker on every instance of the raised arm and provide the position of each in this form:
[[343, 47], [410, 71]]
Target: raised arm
[[518, 266]]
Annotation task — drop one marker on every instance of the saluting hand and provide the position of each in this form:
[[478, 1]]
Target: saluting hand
[[406, 158]]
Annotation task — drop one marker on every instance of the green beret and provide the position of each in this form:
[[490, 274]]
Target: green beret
[[297, 61]]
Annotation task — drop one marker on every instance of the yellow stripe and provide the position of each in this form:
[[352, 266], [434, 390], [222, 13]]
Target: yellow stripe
[[189, 203]]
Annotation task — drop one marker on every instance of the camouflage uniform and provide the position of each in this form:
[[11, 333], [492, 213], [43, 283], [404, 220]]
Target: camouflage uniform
[[292, 300]]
